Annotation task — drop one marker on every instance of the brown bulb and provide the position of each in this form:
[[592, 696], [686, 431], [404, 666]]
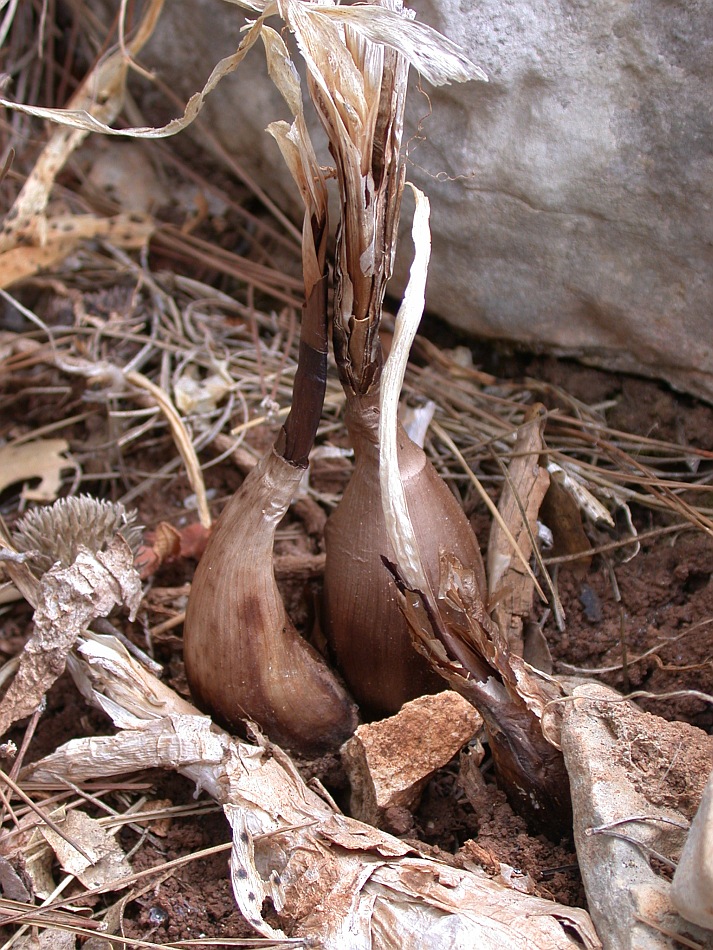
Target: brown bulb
[[244, 658], [363, 622]]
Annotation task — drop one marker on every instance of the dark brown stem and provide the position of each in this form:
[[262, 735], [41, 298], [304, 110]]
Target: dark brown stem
[[530, 770], [295, 441], [298, 433]]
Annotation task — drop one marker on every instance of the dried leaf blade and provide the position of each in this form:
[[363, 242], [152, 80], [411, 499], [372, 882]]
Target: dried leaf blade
[[69, 599], [109, 861]]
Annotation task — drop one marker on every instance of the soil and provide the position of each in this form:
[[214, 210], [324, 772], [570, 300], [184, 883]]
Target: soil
[[658, 603]]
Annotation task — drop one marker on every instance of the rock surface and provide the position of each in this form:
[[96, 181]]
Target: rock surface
[[389, 762], [571, 196]]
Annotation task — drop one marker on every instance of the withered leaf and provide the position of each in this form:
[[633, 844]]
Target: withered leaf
[[508, 582], [69, 599], [45, 459], [335, 881], [109, 861]]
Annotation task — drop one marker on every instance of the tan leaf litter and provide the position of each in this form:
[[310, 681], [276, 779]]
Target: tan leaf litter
[[109, 861], [334, 880], [44, 459]]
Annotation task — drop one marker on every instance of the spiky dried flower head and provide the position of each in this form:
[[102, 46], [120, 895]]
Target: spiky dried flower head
[[57, 533]]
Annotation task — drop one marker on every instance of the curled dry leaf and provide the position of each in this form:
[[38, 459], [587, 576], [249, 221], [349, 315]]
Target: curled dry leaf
[[332, 880], [69, 599], [82, 117], [437, 58], [636, 782], [63, 234], [449, 622], [168, 543], [510, 586]]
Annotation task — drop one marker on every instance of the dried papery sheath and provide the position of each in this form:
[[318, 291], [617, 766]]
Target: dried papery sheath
[[446, 614], [80, 566], [359, 92], [244, 658], [328, 881]]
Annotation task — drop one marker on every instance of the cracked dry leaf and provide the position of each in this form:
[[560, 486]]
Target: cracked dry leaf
[[63, 235], [45, 459], [27, 844], [68, 600], [12, 885], [50, 939], [109, 861]]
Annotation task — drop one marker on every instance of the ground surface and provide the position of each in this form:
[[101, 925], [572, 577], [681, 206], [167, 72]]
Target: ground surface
[[661, 600]]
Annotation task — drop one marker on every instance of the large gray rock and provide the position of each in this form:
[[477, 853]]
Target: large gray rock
[[576, 214]]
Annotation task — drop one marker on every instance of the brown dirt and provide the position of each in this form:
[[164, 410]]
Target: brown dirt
[[615, 611]]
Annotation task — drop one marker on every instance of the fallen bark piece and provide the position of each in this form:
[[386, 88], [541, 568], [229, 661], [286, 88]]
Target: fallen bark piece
[[636, 781], [692, 890], [390, 762]]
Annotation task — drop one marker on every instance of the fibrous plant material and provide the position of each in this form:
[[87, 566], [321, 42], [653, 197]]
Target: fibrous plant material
[[244, 658], [74, 563], [359, 90], [511, 583], [236, 626], [357, 60], [329, 880], [448, 620], [31, 239], [57, 533]]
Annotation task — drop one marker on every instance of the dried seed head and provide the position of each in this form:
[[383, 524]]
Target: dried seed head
[[56, 533]]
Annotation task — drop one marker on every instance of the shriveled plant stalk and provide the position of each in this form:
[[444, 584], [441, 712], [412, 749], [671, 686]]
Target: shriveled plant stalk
[[244, 658], [448, 620], [359, 91]]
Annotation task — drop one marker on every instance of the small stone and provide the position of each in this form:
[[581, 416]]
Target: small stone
[[692, 889], [390, 762]]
